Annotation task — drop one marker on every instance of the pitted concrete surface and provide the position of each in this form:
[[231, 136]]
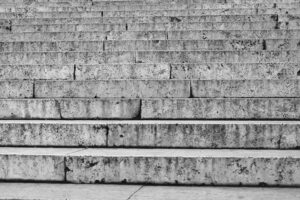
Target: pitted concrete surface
[[167, 134]]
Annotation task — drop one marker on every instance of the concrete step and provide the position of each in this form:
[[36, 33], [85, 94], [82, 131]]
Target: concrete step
[[157, 166], [43, 191], [154, 45], [151, 19], [16, 89], [152, 57], [120, 89], [94, 108], [125, 6], [85, 72], [86, 12], [221, 108], [230, 71], [152, 35], [152, 108], [151, 27], [158, 134], [166, 88], [36, 72], [205, 71]]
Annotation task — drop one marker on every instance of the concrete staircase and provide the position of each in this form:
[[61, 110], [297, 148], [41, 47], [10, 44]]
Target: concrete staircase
[[177, 92]]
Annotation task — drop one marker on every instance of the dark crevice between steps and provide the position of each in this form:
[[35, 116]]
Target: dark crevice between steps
[[126, 27], [264, 45], [74, 72], [170, 69], [103, 45], [33, 88], [57, 104], [139, 114], [298, 73], [191, 90]]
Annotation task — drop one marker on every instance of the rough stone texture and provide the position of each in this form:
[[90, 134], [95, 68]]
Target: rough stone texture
[[113, 88], [246, 88], [221, 167], [122, 71], [100, 108], [221, 108], [235, 71], [146, 19], [36, 72], [51, 46], [29, 109], [16, 89], [33, 164], [177, 45], [52, 134], [153, 35], [205, 134], [233, 34]]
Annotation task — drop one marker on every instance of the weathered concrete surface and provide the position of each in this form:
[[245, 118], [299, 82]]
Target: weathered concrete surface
[[165, 166], [52, 46], [69, 108], [100, 108], [40, 164], [205, 134], [113, 88], [197, 12], [215, 193], [194, 45], [123, 71], [151, 26], [232, 34], [52, 134], [29, 109], [37, 72], [153, 35], [147, 19], [167, 134], [221, 108], [44, 191], [245, 88], [16, 89], [235, 71]]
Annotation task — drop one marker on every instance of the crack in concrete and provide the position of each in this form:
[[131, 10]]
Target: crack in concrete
[[134, 192]]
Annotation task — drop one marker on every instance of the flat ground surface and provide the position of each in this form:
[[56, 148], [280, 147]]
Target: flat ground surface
[[41, 191]]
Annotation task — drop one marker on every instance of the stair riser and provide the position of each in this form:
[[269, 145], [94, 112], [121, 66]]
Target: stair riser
[[70, 109], [223, 71], [90, 58], [270, 136], [21, 72], [202, 170], [152, 35], [155, 19], [122, 89], [283, 108], [208, 108], [156, 45], [150, 27]]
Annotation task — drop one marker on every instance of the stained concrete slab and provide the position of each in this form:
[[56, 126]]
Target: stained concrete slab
[[38, 164], [185, 166]]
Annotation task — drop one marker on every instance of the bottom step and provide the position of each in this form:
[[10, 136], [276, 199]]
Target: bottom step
[[40, 191], [152, 166]]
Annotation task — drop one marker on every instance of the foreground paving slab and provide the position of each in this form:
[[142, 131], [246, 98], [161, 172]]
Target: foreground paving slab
[[43, 191], [45, 164], [160, 134], [185, 166]]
